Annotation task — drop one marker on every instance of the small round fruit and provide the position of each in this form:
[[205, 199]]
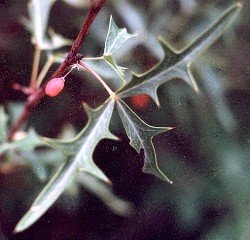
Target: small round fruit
[[54, 87]]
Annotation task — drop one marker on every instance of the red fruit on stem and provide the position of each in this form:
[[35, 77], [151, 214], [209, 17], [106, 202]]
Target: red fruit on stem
[[54, 87], [140, 101]]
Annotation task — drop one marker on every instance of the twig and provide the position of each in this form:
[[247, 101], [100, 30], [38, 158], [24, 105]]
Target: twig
[[72, 58]]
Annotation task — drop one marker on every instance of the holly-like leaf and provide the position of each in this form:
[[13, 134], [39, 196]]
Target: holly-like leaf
[[140, 135], [3, 125], [39, 15], [83, 145], [112, 63], [48, 196], [116, 37], [79, 152], [28, 143], [176, 64]]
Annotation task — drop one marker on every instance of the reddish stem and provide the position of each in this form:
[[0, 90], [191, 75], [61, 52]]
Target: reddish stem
[[35, 98]]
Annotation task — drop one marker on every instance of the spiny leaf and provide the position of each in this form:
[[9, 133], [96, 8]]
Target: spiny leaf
[[3, 125], [79, 151], [112, 63], [48, 196], [140, 135], [176, 64], [83, 145], [39, 14], [116, 38], [28, 143]]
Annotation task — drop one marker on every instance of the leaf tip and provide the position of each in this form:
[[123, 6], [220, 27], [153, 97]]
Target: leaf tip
[[112, 136], [19, 228], [197, 90], [156, 172], [157, 103], [110, 183]]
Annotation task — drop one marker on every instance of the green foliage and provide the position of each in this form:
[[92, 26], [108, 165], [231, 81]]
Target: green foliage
[[140, 135], [115, 39], [78, 152], [28, 143], [176, 64], [81, 148]]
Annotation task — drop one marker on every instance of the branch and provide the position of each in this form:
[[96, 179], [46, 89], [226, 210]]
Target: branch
[[35, 98]]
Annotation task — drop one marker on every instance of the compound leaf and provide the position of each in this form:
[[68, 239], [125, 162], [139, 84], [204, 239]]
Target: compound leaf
[[176, 64], [140, 135]]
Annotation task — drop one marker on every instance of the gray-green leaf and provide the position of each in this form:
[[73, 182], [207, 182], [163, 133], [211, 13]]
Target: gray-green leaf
[[116, 38], [48, 196], [83, 145], [176, 64], [112, 63], [79, 152], [56, 41], [140, 135]]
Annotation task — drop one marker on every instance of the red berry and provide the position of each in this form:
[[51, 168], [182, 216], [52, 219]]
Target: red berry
[[54, 87], [140, 101]]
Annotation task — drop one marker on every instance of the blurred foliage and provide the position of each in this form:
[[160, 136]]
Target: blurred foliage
[[207, 154]]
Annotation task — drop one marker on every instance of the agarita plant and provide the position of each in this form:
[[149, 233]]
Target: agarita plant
[[78, 152]]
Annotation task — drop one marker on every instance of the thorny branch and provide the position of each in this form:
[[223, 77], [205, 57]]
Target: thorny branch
[[73, 57]]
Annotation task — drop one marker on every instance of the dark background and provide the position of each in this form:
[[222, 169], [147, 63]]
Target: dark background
[[206, 155]]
